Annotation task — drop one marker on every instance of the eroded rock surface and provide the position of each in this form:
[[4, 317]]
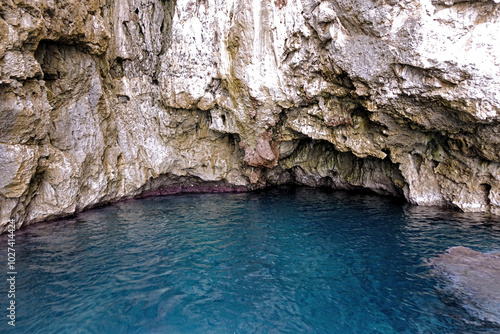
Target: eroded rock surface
[[103, 99], [474, 280]]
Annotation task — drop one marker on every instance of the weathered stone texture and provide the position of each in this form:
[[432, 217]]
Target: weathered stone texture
[[101, 99], [472, 279]]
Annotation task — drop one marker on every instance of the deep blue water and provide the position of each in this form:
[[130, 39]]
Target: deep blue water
[[279, 261]]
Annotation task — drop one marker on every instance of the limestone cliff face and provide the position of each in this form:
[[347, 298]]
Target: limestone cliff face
[[102, 99]]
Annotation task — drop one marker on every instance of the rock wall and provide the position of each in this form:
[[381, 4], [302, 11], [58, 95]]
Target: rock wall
[[106, 99]]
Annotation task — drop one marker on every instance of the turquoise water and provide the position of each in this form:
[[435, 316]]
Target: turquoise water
[[279, 261]]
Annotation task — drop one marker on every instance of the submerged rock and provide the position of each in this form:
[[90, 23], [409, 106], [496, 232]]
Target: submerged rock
[[101, 100], [473, 279]]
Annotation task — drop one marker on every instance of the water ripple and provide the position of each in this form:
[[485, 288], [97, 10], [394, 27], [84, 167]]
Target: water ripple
[[283, 261]]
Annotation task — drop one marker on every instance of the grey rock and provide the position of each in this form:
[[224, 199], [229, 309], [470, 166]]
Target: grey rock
[[473, 279]]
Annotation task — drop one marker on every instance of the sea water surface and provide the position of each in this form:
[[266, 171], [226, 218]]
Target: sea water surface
[[278, 261]]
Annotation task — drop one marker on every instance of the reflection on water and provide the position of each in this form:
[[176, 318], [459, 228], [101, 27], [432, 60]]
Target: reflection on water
[[286, 260]]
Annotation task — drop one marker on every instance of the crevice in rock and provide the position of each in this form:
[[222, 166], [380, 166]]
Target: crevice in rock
[[141, 32], [123, 98], [50, 59], [35, 182], [486, 188], [116, 68], [166, 24]]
